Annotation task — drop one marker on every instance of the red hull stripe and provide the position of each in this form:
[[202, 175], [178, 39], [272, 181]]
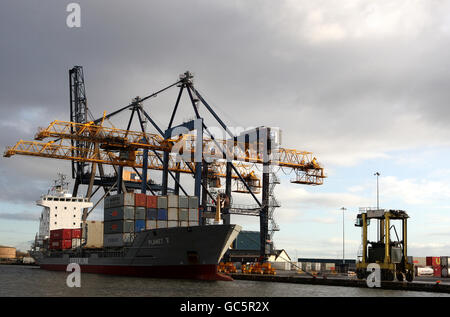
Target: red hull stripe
[[198, 272]]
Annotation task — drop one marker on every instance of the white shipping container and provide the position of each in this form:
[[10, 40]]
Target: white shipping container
[[172, 214], [183, 214], [172, 223], [193, 202], [150, 224], [193, 214], [183, 201], [93, 234], [162, 202], [282, 266], [162, 224], [172, 201], [184, 224], [76, 243]]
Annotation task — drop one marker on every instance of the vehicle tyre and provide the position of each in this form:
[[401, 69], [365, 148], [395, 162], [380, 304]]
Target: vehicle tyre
[[409, 276]]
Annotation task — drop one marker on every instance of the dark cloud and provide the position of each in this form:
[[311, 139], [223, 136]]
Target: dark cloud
[[345, 81]]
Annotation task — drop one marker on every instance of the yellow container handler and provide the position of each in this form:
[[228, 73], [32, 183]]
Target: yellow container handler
[[391, 256]]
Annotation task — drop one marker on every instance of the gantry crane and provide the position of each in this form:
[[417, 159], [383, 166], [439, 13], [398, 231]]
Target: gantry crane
[[188, 147]]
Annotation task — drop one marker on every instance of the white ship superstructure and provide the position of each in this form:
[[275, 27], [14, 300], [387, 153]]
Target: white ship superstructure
[[61, 210]]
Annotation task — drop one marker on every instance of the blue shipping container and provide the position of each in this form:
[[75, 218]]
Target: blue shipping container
[[139, 225], [162, 214], [152, 214]]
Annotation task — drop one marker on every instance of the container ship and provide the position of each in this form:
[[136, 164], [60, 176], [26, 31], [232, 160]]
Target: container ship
[[140, 235]]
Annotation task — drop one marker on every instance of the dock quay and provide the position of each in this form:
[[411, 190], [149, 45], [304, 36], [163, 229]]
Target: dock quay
[[420, 284]]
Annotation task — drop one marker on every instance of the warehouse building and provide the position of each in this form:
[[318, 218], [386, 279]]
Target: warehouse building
[[7, 253]]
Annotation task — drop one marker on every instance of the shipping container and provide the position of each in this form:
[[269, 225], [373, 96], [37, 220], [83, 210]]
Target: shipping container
[[152, 201], [162, 202], [193, 202], [76, 233], [151, 224], [76, 243], [124, 199], [119, 213], [419, 261], [183, 224], [183, 215], [140, 200], [172, 214], [55, 244], [118, 226], [162, 224], [429, 261], [193, 215], [172, 201], [139, 225], [162, 214], [444, 271], [61, 244], [425, 271], [281, 266], [61, 234], [444, 261], [117, 239], [437, 271], [435, 261], [330, 267], [183, 202], [93, 234], [172, 223], [152, 214], [140, 213]]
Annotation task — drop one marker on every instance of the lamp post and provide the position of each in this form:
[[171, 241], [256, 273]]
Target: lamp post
[[378, 196], [343, 237], [378, 204]]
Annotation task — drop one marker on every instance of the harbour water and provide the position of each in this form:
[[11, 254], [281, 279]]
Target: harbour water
[[32, 281]]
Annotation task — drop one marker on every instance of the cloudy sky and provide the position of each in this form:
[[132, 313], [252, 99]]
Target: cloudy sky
[[361, 84]]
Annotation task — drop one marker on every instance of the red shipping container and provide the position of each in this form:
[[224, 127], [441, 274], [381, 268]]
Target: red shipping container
[[152, 201], [76, 233], [437, 271], [140, 200], [435, 261], [66, 244], [429, 260], [55, 245], [61, 234]]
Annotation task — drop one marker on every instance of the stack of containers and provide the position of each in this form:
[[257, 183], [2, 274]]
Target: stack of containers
[[444, 266], [171, 211], [162, 216], [140, 203], [61, 239], [435, 263], [152, 212], [119, 220], [193, 216]]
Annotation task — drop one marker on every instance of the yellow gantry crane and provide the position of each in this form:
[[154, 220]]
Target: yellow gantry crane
[[127, 143]]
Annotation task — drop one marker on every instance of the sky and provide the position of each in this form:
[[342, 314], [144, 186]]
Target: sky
[[361, 84]]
